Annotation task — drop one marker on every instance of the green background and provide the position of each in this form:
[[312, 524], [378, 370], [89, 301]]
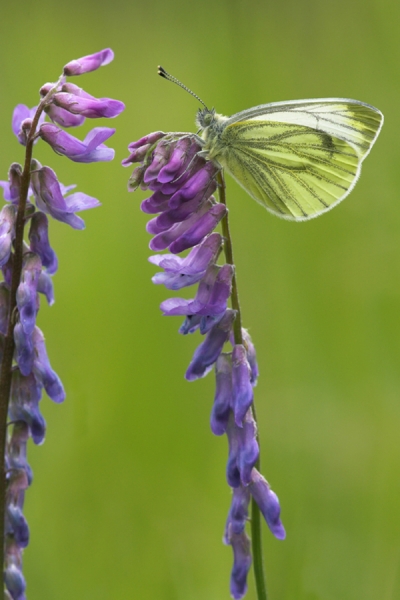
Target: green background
[[129, 497]]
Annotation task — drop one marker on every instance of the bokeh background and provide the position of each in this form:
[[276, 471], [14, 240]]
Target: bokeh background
[[129, 496]]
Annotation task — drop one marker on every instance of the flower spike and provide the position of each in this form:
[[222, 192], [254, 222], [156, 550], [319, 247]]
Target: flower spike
[[184, 215], [33, 194]]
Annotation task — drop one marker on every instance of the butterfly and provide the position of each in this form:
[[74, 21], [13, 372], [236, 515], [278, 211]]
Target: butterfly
[[299, 158]]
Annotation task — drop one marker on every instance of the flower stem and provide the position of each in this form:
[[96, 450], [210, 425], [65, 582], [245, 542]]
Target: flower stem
[[256, 538], [237, 325], [6, 364]]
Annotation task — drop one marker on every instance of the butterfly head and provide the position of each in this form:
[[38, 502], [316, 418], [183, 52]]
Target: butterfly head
[[205, 117]]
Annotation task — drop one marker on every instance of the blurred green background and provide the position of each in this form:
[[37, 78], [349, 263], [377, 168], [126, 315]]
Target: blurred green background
[[129, 497]]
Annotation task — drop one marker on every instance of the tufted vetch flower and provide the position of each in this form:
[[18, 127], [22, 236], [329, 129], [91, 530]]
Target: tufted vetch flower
[[34, 195], [184, 215]]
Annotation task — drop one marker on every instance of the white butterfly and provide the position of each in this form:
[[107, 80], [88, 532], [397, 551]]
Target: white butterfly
[[298, 158]]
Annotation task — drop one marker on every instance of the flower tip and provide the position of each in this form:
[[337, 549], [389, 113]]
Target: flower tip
[[197, 372], [279, 532], [190, 376], [88, 63]]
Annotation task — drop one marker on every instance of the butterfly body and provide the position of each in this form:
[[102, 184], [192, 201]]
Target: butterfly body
[[298, 158]]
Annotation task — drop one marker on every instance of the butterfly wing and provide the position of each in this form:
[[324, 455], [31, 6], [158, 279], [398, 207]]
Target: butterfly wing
[[300, 158]]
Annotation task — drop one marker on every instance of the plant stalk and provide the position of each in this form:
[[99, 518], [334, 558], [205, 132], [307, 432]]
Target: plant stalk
[[256, 538], [9, 346]]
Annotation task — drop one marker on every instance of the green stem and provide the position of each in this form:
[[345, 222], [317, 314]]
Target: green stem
[[9, 346], [256, 538]]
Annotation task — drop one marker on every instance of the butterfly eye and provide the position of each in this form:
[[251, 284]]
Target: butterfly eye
[[204, 117]]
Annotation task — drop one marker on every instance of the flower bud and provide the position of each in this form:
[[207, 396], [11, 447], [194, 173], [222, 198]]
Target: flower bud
[[23, 349], [242, 388], [207, 353], [8, 217], [223, 394], [88, 106], [90, 150], [182, 272], [268, 504], [43, 371], [11, 188], [241, 564], [39, 241], [17, 525], [88, 63], [27, 301]]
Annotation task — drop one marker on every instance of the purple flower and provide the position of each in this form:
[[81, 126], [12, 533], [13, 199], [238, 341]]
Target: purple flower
[[39, 241], [11, 188], [63, 117], [201, 184], [238, 512], [15, 582], [67, 105], [24, 404], [78, 102], [24, 350], [43, 372], [7, 231], [45, 287], [199, 229], [157, 203], [19, 475], [242, 388], [191, 324], [241, 564], [91, 149], [207, 353], [181, 272], [223, 394], [17, 526], [50, 197], [59, 115], [22, 120], [140, 148], [190, 232], [248, 451], [181, 157], [211, 298], [136, 179], [27, 300], [182, 182], [268, 504], [232, 467], [88, 63], [243, 450], [7, 270]]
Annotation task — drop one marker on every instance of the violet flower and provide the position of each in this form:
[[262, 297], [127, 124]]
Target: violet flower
[[181, 272], [11, 188], [182, 183], [85, 64], [22, 121], [90, 150], [33, 194], [7, 232], [78, 102], [50, 197], [59, 115]]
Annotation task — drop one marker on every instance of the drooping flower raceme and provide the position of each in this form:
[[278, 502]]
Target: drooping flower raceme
[[183, 185], [33, 195]]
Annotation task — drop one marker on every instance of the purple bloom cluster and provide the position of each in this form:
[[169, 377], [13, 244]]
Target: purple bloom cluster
[[182, 183], [68, 106]]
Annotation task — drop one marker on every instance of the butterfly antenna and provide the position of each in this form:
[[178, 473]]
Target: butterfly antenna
[[163, 73]]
